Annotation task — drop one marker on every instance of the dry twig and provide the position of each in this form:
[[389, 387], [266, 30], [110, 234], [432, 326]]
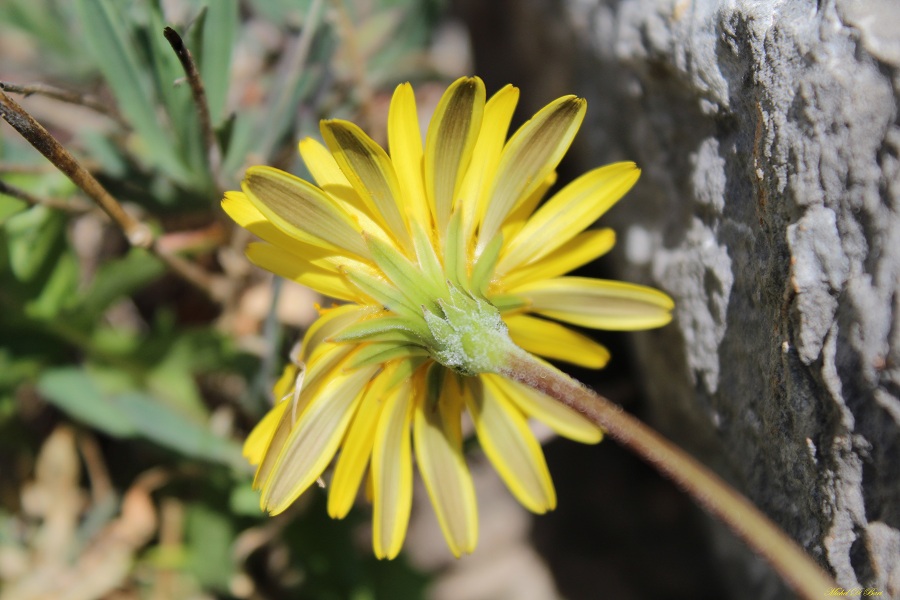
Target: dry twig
[[137, 233]]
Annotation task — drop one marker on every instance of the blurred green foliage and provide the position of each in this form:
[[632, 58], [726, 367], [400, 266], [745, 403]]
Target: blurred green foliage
[[98, 334]]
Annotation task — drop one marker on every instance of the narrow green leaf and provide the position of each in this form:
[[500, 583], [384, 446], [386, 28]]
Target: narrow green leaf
[[57, 290], [117, 279], [134, 414], [32, 236], [219, 33], [158, 423], [177, 97], [74, 391], [105, 34]]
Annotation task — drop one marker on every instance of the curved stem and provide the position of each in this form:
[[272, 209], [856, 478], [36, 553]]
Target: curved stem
[[707, 489]]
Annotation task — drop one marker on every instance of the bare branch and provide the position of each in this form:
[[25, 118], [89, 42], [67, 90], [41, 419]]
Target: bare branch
[[213, 153], [72, 97], [137, 233]]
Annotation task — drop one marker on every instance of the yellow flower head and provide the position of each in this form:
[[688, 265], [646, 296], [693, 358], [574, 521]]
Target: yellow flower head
[[447, 266]]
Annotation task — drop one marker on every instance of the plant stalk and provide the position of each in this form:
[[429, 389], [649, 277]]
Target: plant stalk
[[707, 489]]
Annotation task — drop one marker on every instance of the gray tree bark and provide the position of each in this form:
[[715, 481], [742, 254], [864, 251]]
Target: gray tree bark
[[769, 208]]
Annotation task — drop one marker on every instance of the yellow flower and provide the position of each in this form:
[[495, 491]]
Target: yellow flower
[[447, 266]]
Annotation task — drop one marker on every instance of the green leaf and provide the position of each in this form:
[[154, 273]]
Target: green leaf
[[57, 289], [10, 206], [74, 392], [177, 96], [32, 236], [117, 279], [244, 500], [219, 34], [209, 536], [134, 414], [159, 423], [105, 34]]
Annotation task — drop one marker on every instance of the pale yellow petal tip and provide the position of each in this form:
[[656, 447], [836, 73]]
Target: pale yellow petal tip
[[595, 439], [465, 546], [404, 88], [234, 196], [305, 144], [597, 360], [390, 554]]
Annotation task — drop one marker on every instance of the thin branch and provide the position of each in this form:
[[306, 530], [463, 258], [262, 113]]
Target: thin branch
[[707, 489], [213, 153], [69, 96], [74, 206], [137, 233]]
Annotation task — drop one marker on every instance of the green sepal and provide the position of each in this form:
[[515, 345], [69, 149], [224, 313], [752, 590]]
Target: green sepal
[[404, 371], [406, 277], [381, 352], [384, 329], [455, 252], [507, 302], [434, 385], [484, 267], [429, 262], [385, 293]]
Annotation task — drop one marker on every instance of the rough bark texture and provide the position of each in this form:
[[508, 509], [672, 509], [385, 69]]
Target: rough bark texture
[[769, 208]]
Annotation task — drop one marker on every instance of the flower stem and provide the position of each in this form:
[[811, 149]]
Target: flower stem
[[707, 489]]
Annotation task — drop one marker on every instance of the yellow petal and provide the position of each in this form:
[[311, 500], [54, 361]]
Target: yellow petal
[[258, 440], [302, 210], [439, 456], [326, 359], [405, 143], [580, 250], [448, 145], [237, 206], [369, 170], [315, 438], [290, 266], [598, 303], [569, 212], [285, 385], [242, 211], [511, 447], [356, 450], [520, 215], [328, 175], [322, 165], [392, 474], [556, 341], [479, 176], [529, 157], [330, 324], [324, 363], [559, 417]]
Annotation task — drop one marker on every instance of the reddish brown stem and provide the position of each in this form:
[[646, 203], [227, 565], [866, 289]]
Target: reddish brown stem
[[715, 496]]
